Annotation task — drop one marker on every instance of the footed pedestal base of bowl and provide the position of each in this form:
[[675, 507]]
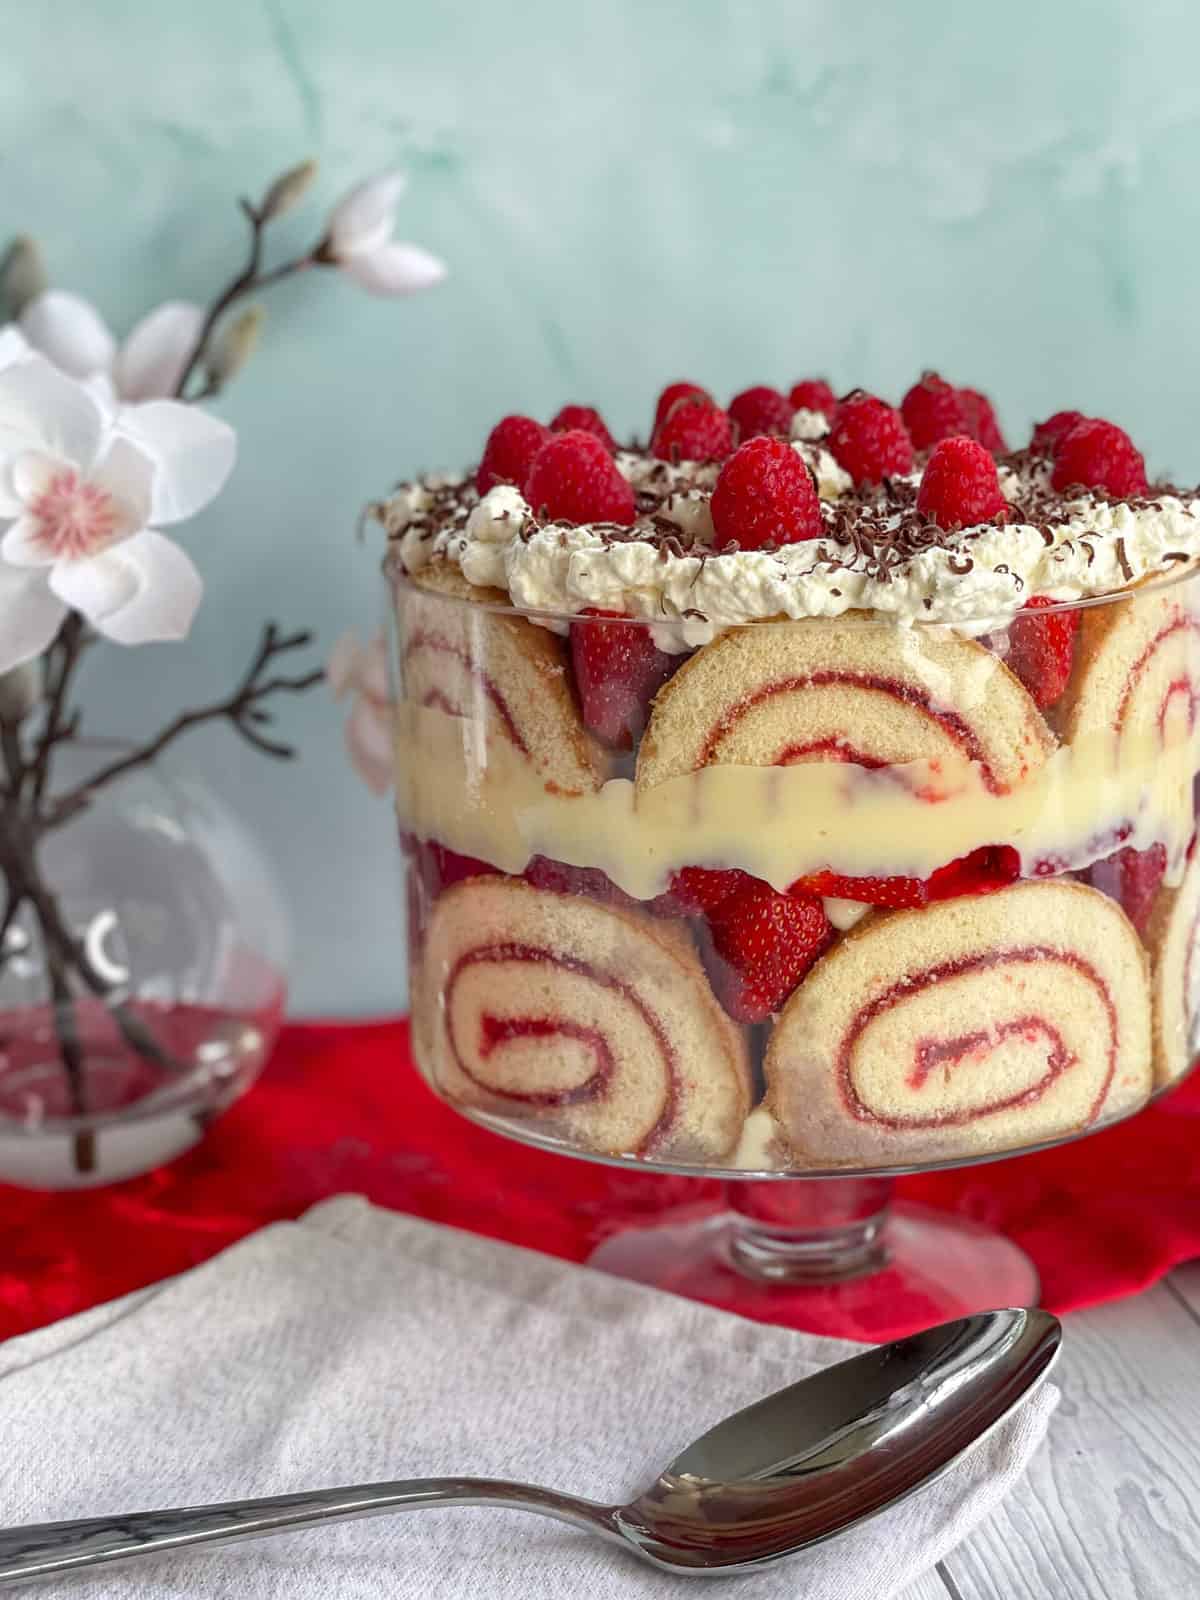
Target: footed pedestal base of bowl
[[829, 1255]]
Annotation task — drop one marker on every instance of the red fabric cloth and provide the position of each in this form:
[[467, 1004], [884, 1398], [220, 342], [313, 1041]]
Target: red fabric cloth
[[340, 1108]]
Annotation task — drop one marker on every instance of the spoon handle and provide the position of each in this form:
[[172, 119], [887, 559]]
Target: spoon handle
[[44, 1550]]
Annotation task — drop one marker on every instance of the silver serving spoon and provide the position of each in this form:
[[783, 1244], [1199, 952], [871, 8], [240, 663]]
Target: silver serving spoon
[[802, 1465]]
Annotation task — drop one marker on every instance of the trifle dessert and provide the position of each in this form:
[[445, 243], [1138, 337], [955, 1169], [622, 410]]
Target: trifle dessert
[[808, 788]]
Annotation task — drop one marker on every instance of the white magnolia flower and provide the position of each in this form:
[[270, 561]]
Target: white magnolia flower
[[147, 365], [80, 486], [359, 241], [361, 671]]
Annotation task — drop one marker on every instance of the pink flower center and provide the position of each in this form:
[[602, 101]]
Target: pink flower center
[[74, 518]]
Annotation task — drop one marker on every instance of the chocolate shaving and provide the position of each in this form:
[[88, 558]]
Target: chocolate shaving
[[1123, 561]]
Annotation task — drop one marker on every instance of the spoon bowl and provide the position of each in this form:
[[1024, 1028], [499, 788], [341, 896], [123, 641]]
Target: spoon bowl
[[804, 1465], [816, 1459]]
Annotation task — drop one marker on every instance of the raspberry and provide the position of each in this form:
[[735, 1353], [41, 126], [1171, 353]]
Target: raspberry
[[760, 410], [766, 943], [765, 496], [1098, 455], [574, 479], [695, 430], [1047, 434], [985, 869], [982, 423], [813, 394], [932, 410], [559, 878], [1132, 878], [960, 486], [672, 394], [1041, 649], [869, 439], [586, 418], [509, 452], [697, 891], [618, 671]]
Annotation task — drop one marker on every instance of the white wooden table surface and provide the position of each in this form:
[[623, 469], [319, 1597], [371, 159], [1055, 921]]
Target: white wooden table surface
[[1110, 1508]]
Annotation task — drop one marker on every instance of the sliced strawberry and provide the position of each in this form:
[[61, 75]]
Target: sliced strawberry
[[698, 891], [1041, 649], [763, 944], [988, 868], [618, 671], [1132, 878], [891, 894], [985, 869]]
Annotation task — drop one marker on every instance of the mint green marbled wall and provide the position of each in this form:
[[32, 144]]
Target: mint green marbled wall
[[625, 192]]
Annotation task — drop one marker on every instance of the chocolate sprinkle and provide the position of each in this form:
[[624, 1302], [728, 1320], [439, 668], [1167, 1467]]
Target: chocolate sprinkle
[[873, 531]]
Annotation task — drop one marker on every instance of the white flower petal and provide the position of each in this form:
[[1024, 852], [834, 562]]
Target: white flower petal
[[375, 676], [394, 269], [104, 392], [369, 743], [128, 474], [30, 475], [14, 346], [193, 451], [344, 665], [363, 218], [41, 409], [138, 591], [29, 616], [22, 545], [150, 363], [70, 332]]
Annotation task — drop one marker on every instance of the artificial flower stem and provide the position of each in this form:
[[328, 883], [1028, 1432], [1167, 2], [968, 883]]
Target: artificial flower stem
[[249, 280]]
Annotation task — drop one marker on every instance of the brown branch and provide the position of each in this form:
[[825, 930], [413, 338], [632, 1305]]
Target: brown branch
[[242, 709], [65, 655], [249, 280]]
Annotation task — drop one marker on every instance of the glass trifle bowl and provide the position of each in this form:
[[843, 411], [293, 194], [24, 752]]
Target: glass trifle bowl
[[801, 902]]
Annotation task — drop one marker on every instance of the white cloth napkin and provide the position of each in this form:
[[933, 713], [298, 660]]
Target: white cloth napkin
[[359, 1344]]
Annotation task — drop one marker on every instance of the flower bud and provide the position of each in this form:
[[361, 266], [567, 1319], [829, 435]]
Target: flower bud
[[22, 274], [287, 190], [20, 692], [233, 346]]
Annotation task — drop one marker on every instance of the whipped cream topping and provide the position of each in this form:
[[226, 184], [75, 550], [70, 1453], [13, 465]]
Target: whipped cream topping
[[878, 554]]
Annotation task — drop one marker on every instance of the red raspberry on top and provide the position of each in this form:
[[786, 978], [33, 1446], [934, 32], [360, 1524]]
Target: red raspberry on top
[[693, 430], [672, 394], [584, 417], [1047, 434], [813, 394], [983, 424], [509, 452], [765, 496], [1098, 455], [760, 410], [574, 479], [1041, 649], [765, 943], [869, 439], [934, 409], [618, 671], [960, 486]]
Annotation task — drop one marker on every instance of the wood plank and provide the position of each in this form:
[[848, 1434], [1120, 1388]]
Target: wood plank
[[929, 1587], [1184, 1284], [1110, 1508]]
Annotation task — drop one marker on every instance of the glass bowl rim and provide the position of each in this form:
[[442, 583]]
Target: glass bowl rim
[[398, 577]]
